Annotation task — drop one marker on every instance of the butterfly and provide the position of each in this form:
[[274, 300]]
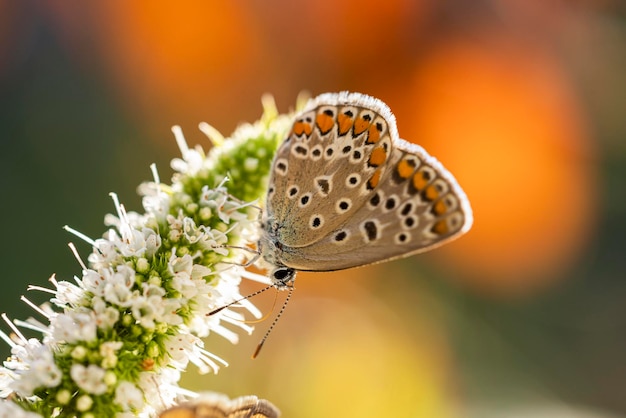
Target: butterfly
[[345, 191]]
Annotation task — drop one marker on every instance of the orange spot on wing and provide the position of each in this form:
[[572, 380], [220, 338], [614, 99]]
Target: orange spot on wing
[[440, 227], [324, 122], [405, 168], [360, 126], [373, 135], [420, 180], [345, 123], [431, 193], [378, 157], [300, 127], [374, 180], [440, 208]]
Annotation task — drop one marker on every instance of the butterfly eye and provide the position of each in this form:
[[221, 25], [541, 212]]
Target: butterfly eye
[[283, 275]]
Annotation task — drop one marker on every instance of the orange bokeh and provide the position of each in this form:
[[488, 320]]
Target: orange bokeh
[[364, 34], [504, 119], [175, 63]]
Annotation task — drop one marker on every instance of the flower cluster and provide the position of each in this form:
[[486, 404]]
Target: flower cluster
[[116, 338]]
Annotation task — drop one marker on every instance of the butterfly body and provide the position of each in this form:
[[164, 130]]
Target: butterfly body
[[346, 191]]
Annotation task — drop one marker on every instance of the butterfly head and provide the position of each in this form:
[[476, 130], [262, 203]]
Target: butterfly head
[[271, 251], [283, 277]]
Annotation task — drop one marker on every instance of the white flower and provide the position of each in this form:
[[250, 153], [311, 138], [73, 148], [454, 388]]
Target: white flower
[[74, 326], [34, 367], [152, 241], [154, 200], [193, 159], [184, 348], [169, 315], [68, 294], [191, 232], [6, 377], [108, 351], [93, 282], [128, 396], [181, 268], [181, 265], [105, 252], [178, 348], [152, 307], [147, 311], [118, 286], [199, 272], [160, 390], [90, 378], [45, 368], [213, 240], [10, 409], [106, 315], [184, 285]]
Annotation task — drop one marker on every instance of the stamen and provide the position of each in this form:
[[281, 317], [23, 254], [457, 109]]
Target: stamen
[[13, 327], [155, 173], [270, 111], [180, 140], [41, 289], [7, 340], [77, 256], [216, 138], [35, 327], [32, 305], [79, 235]]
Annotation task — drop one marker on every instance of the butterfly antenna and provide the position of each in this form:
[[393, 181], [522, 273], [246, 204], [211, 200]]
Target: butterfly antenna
[[251, 295], [269, 330]]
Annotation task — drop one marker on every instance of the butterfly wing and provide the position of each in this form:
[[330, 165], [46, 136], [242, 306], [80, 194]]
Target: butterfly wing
[[386, 198], [320, 172]]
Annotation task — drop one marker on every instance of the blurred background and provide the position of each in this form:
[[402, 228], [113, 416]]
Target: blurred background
[[523, 100]]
